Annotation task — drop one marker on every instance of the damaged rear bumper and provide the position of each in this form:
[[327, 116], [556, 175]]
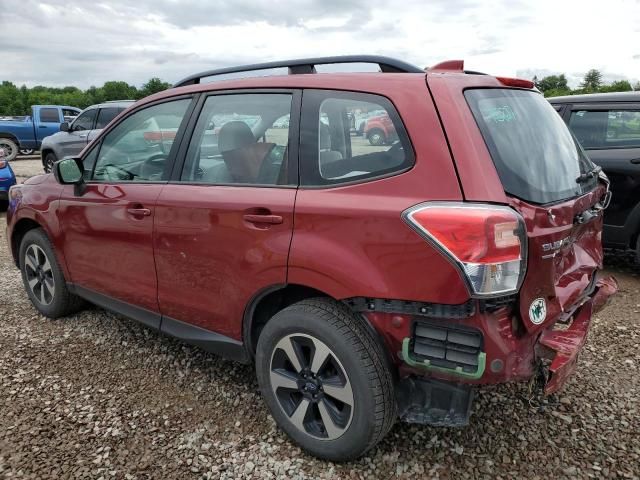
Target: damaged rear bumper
[[559, 349]]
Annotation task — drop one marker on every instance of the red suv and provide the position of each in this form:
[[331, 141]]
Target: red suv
[[365, 282]]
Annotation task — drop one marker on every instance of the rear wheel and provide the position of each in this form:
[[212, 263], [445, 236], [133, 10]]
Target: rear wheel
[[10, 148], [43, 279], [325, 379], [376, 137], [49, 159], [26, 151]]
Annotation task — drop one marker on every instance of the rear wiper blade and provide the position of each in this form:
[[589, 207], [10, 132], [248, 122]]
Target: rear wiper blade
[[589, 175]]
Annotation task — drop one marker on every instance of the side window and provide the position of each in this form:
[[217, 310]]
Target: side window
[[138, 147], [88, 162], [240, 139], [623, 129], [105, 115], [606, 128], [349, 136], [84, 121], [49, 115]]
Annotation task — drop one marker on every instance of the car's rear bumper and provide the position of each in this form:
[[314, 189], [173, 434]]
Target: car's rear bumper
[[562, 347]]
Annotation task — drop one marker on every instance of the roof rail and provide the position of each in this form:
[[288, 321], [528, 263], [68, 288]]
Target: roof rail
[[307, 65]]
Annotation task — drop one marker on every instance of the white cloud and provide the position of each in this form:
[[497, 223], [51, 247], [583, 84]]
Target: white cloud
[[82, 43]]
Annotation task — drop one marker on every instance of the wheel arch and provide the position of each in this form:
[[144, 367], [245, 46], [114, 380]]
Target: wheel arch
[[269, 301], [10, 136], [20, 229]]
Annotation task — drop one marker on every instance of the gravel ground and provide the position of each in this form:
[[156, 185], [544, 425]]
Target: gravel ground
[[98, 396]]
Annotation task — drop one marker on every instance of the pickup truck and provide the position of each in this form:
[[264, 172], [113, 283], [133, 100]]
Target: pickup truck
[[26, 133]]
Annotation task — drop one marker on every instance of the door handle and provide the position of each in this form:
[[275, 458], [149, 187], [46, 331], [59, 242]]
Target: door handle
[[83, 136], [635, 161], [257, 218], [43, 126], [139, 212]]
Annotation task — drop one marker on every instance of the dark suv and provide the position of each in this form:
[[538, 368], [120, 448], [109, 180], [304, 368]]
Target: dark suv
[[365, 282], [608, 127]]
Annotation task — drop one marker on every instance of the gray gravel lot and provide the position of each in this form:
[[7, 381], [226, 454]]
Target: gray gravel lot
[[97, 396]]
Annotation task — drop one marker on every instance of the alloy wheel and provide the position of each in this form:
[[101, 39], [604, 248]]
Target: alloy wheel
[[39, 274], [8, 147], [311, 386]]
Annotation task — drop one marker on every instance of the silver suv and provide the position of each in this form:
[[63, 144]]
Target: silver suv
[[74, 136]]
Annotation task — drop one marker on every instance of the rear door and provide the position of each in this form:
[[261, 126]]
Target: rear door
[[610, 134], [48, 122], [224, 223], [551, 182], [108, 229]]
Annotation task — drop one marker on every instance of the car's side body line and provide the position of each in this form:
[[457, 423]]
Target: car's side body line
[[207, 340]]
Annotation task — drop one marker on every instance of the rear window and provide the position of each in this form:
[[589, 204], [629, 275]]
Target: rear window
[[536, 156]]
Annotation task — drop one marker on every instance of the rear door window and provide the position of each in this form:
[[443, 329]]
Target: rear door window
[[606, 128], [241, 139], [537, 158], [105, 115], [350, 136]]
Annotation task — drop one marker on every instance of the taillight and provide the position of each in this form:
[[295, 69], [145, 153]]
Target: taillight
[[487, 243], [3, 163]]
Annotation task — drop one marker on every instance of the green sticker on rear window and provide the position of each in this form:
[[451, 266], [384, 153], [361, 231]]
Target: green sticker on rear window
[[501, 114]]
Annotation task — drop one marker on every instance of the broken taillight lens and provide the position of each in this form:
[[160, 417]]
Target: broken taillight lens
[[486, 242]]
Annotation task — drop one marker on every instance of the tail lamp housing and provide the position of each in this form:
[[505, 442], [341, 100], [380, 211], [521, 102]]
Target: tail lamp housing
[[486, 243]]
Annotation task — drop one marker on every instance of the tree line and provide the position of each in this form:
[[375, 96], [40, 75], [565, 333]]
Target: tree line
[[556, 85], [18, 100]]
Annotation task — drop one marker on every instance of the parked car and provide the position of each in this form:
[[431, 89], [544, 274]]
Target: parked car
[[7, 180], [608, 127], [379, 130], [364, 286], [26, 133], [74, 136]]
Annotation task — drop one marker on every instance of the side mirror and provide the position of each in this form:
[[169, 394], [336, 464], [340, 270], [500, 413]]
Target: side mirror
[[64, 127], [69, 171]]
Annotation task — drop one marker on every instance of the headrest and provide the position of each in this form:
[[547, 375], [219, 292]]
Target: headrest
[[234, 135], [325, 137]]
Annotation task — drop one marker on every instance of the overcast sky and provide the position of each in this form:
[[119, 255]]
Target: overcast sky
[[87, 42]]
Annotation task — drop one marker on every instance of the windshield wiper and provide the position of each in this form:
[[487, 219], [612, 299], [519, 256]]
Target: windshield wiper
[[594, 172]]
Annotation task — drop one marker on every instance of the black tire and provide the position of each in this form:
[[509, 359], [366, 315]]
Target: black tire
[[52, 299], [4, 205], [49, 159], [376, 137], [10, 148], [366, 380], [638, 250], [26, 151]]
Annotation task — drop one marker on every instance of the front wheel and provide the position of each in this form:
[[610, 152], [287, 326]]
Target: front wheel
[[49, 159], [325, 379], [10, 148], [43, 278], [26, 151]]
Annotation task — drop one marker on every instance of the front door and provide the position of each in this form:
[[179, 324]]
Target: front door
[[224, 224], [108, 229]]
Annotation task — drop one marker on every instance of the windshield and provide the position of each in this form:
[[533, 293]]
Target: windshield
[[535, 154]]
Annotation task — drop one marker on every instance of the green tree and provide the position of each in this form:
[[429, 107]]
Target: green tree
[[617, 86], [553, 82], [154, 85], [117, 90], [592, 81]]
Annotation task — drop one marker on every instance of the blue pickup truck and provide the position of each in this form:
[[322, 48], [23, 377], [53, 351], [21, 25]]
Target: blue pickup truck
[[27, 133]]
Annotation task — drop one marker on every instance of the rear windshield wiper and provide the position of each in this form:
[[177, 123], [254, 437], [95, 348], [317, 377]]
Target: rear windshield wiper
[[594, 172]]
